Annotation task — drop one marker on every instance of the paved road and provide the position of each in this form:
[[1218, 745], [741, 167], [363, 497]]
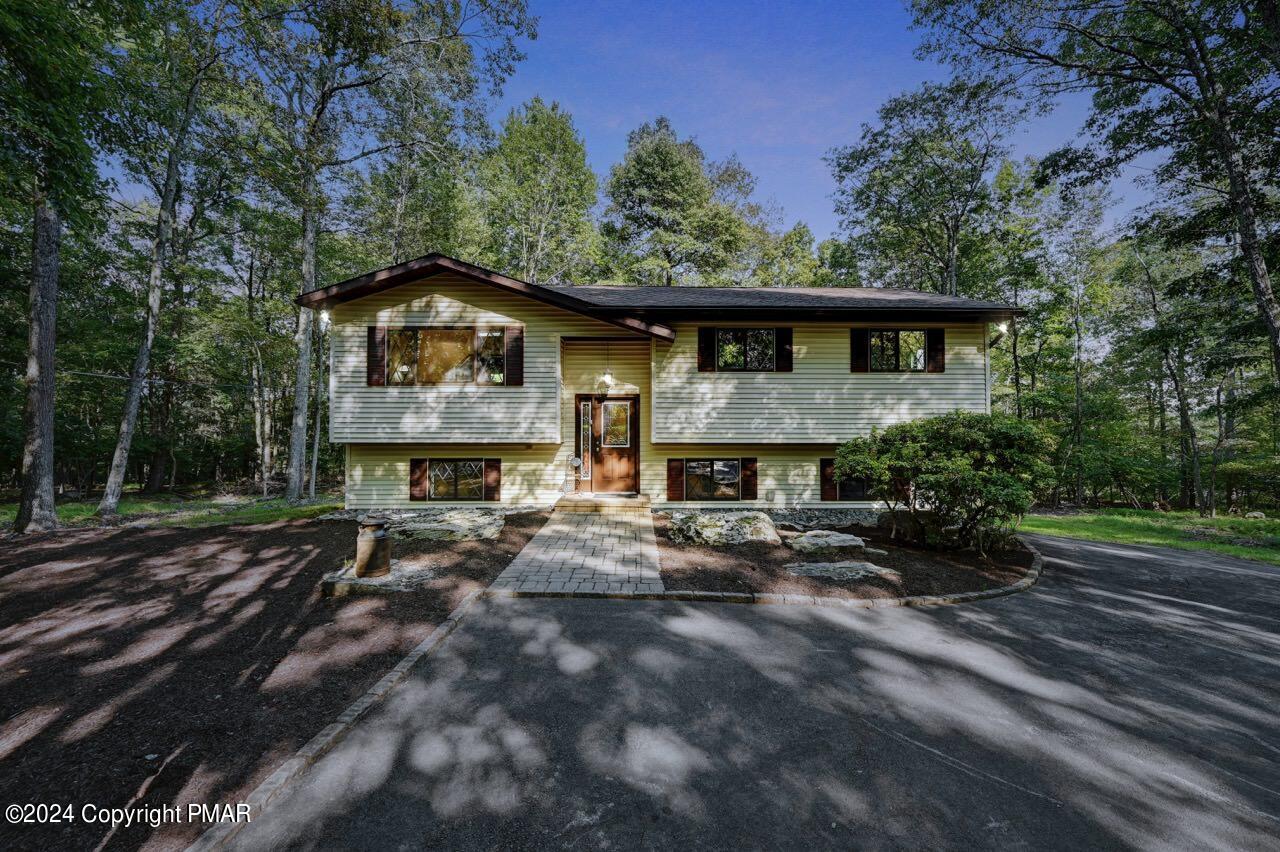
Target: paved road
[[1130, 700]]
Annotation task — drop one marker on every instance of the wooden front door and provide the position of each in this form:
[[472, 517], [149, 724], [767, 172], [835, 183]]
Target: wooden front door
[[608, 443]]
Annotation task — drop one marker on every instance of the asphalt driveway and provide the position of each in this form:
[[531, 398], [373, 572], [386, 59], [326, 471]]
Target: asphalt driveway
[[1130, 700]]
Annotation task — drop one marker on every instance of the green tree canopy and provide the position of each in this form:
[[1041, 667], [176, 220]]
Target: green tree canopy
[[537, 192]]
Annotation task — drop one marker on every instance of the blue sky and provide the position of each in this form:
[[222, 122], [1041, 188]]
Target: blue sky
[[779, 84]]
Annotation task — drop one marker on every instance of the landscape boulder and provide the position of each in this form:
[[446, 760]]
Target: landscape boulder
[[721, 528], [455, 525], [1257, 516], [847, 570], [825, 541]]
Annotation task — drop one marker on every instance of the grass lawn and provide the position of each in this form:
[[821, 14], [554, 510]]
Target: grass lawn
[[1229, 535], [173, 511]]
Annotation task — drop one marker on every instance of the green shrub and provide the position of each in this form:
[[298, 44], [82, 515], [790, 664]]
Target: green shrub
[[957, 480]]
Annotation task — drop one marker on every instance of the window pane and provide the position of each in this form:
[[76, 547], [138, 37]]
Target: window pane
[[444, 355], [697, 480], [884, 346], [731, 349], [584, 421], [470, 479], [491, 356], [441, 475], [616, 429], [725, 474], [852, 489], [760, 345], [911, 351], [402, 356]]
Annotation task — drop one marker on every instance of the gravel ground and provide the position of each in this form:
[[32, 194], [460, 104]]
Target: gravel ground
[[163, 666], [759, 567]]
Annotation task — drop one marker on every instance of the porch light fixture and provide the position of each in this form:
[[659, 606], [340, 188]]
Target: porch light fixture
[[607, 378]]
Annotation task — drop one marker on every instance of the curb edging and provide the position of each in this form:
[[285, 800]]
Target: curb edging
[[767, 599], [216, 837]]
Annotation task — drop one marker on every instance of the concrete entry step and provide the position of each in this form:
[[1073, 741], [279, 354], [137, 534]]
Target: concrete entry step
[[608, 504]]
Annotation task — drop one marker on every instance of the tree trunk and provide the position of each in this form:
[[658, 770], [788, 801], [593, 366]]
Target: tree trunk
[[1077, 424], [1017, 365], [302, 337], [1250, 243], [160, 240], [951, 279], [156, 470], [36, 510], [1174, 368], [319, 421]]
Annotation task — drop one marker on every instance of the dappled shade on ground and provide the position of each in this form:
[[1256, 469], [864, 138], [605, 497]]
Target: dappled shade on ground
[[208, 650], [1127, 701]]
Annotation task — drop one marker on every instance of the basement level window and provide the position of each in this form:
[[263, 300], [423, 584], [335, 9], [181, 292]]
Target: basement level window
[[456, 479], [712, 479]]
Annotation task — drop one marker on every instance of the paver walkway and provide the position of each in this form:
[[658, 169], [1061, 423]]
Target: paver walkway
[[588, 552]]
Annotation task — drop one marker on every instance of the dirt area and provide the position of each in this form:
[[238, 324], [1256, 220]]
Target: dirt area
[[758, 567], [176, 666]]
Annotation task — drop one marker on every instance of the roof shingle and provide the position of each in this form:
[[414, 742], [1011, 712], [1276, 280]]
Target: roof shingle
[[728, 298]]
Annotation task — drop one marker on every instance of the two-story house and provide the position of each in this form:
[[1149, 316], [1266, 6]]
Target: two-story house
[[450, 383]]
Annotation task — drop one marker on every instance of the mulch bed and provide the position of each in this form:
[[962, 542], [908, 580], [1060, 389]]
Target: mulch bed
[[758, 567], [171, 666]]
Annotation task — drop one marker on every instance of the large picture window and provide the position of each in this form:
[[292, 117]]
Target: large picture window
[[746, 349], [897, 351], [455, 479], [445, 356], [712, 479]]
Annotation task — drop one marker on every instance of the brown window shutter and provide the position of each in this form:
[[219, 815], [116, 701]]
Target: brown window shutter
[[417, 479], [493, 479], [675, 479], [859, 350], [513, 367], [782, 356], [376, 356], [827, 471], [935, 350], [706, 349], [748, 480]]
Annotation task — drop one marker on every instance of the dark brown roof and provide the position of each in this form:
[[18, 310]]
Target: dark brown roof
[[435, 264], [647, 309], [790, 298]]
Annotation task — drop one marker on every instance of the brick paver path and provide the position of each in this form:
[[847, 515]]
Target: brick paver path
[[587, 552]]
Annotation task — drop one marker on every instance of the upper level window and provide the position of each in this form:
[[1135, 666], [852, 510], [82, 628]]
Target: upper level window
[[445, 356], [742, 350], [897, 351], [745, 348]]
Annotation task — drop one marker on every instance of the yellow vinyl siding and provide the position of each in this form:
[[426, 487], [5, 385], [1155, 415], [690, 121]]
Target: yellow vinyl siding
[[820, 401], [378, 474], [786, 421], [443, 413]]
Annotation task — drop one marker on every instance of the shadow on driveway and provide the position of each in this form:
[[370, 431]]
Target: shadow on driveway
[[1130, 699]]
